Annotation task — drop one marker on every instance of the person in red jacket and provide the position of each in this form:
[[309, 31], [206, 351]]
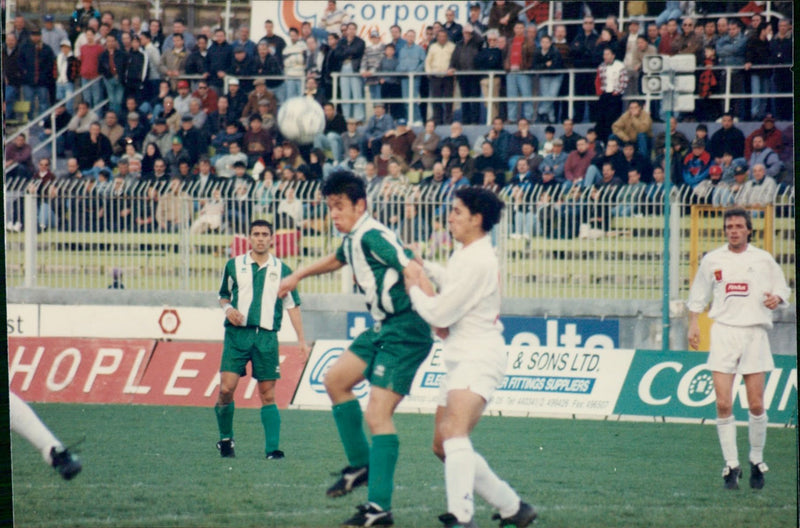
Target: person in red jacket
[[90, 59]]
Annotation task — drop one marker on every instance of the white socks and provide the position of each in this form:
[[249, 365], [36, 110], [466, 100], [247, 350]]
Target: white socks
[[24, 421], [459, 477], [758, 437], [726, 430], [493, 490]]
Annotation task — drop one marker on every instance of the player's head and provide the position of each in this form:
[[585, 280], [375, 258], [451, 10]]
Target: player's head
[[735, 221], [346, 196], [260, 236], [475, 208]]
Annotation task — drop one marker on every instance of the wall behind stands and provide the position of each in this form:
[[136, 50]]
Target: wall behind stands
[[332, 316]]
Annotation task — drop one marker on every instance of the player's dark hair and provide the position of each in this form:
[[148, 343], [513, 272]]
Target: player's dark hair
[[347, 183], [484, 202], [739, 212], [261, 223]]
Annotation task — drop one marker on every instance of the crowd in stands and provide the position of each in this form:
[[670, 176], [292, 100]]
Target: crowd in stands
[[189, 132]]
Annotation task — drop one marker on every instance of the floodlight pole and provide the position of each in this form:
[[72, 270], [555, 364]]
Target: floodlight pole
[[668, 97]]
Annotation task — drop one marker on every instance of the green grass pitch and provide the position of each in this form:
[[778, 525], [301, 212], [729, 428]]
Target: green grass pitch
[[149, 466]]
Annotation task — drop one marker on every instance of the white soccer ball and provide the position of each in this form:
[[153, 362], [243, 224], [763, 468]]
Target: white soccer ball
[[300, 119]]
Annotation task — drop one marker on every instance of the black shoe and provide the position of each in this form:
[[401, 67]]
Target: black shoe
[[370, 514], [757, 474], [67, 464], [350, 478], [226, 448], [449, 521], [524, 516], [731, 476], [275, 455]]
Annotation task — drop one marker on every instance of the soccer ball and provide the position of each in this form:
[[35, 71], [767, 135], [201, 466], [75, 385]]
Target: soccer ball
[[300, 119]]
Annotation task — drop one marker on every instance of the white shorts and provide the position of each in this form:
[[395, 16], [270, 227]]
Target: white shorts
[[481, 377], [739, 349]]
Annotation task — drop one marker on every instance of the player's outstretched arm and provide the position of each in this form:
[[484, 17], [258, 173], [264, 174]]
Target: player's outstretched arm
[[326, 264]]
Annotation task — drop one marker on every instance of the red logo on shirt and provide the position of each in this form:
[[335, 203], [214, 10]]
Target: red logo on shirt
[[737, 289], [718, 274]]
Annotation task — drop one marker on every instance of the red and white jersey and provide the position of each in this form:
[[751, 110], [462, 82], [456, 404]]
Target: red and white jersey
[[738, 283]]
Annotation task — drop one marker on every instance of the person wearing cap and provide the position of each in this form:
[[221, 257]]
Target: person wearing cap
[[556, 159], [242, 66], [67, 70], [135, 130], [175, 155], [773, 138], [401, 138], [294, 64], [159, 134], [173, 60], [260, 93], [53, 35], [373, 53], [714, 190], [696, 164], [181, 101], [36, 61]]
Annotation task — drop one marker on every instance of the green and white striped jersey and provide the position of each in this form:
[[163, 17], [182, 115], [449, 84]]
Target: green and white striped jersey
[[253, 290], [377, 257]]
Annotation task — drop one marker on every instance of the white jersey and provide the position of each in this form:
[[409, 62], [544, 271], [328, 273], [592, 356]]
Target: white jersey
[[468, 303], [738, 283]]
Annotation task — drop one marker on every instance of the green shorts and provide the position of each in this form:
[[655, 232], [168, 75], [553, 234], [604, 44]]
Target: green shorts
[[394, 350], [259, 346]]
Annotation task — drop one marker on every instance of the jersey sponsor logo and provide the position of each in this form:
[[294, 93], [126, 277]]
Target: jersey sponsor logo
[[737, 289], [718, 275]]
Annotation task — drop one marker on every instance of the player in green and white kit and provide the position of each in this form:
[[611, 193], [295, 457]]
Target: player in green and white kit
[[253, 314], [387, 355]]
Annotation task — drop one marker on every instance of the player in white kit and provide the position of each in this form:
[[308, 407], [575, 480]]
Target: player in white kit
[[467, 310], [24, 420], [746, 285]]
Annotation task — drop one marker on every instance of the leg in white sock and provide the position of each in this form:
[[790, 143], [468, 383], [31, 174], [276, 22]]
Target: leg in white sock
[[459, 477], [726, 430], [23, 420], [757, 432], [493, 490]]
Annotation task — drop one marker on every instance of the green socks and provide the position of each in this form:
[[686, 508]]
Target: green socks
[[225, 420], [349, 422], [382, 461], [271, 420]]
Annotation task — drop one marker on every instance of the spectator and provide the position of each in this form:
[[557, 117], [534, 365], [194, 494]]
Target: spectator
[[760, 191], [556, 160], [578, 162], [630, 196], [153, 75], [135, 71], [670, 37], [187, 39], [570, 137], [729, 164], [111, 65], [193, 139], [352, 135], [602, 195], [727, 139], [355, 162], [258, 142], [490, 58], [518, 59], [533, 158], [197, 60], [547, 58], [612, 154], [19, 151], [611, 82], [36, 63], [763, 155], [465, 162], [92, 146], [90, 55], [549, 136], [635, 125], [773, 138], [503, 16], [211, 214], [488, 160], [709, 83], [424, 147], [757, 53], [373, 53], [377, 126], [696, 164], [333, 19], [635, 160], [331, 137], [731, 52], [401, 140], [314, 64], [411, 58], [582, 55], [351, 52], [633, 62], [219, 59], [114, 132], [79, 124], [390, 84], [171, 212], [176, 155], [463, 59], [260, 93], [689, 42], [437, 64], [713, 190], [294, 64], [173, 60], [680, 143], [181, 101], [455, 139], [781, 47], [81, 16], [521, 136], [224, 164], [62, 120], [500, 139], [12, 73], [244, 40], [159, 135]]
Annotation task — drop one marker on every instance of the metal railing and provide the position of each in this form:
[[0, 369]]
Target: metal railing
[[573, 243]]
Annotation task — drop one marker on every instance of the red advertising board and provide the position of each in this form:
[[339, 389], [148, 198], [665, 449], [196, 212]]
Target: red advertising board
[[133, 371]]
